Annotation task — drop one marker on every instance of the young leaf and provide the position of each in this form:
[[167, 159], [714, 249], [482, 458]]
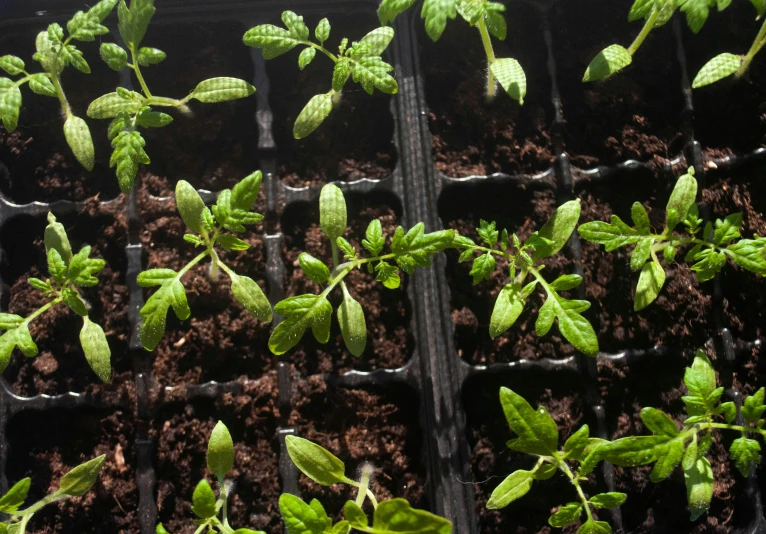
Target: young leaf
[[352, 324], [483, 267], [681, 199], [222, 90], [316, 462], [80, 141], [574, 448], [203, 501], [55, 238], [699, 487], [114, 55], [315, 269], [658, 422], [650, 284], [10, 104], [15, 497], [322, 32], [753, 407], [299, 517], [12, 65], [355, 515], [220, 451], [300, 312], [96, 349], [537, 431], [746, 453], [595, 527], [190, 206], [609, 500], [566, 515], [389, 9], [511, 76], [332, 212], [80, 479], [128, 153], [375, 240], [250, 295], [558, 229], [307, 55], [378, 40], [507, 309], [436, 13], [612, 235], [700, 377], [718, 68], [611, 59], [396, 515], [42, 85], [515, 486]]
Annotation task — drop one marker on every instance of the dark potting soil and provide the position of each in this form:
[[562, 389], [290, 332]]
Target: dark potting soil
[[46, 445], [217, 144], [389, 339], [221, 340], [470, 135], [181, 432], [61, 366], [729, 115], [375, 425], [491, 461], [636, 114], [35, 161], [356, 140]]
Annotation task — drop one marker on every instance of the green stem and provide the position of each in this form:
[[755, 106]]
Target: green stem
[[191, 264], [739, 428], [364, 485], [137, 69], [487, 42], [563, 467], [321, 49], [60, 92], [43, 309], [29, 512], [760, 41], [648, 27]]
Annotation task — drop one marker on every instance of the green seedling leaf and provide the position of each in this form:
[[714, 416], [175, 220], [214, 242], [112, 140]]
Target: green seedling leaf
[[96, 349], [229, 242], [575, 328], [507, 309], [650, 284], [80, 141], [390, 9], [595, 527], [332, 212], [746, 454], [12, 65], [133, 22], [700, 377], [114, 55], [9, 321], [728, 229], [355, 515], [190, 206], [574, 448], [397, 516], [80, 479], [147, 118], [435, 13], [154, 313], [10, 104], [488, 232], [378, 40], [300, 312], [658, 422], [20, 337], [611, 59], [307, 55], [511, 77], [681, 200], [566, 515], [55, 238], [220, 451], [718, 68], [322, 32], [515, 486], [536, 430], [374, 241], [371, 72], [150, 56], [352, 324], [558, 229], [299, 517], [276, 41], [315, 269], [608, 500], [316, 462], [128, 153], [753, 407], [15, 497], [699, 487], [251, 296], [566, 282], [312, 115], [112, 104], [222, 90], [641, 254], [42, 85], [612, 235], [483, 267], [203, 501]]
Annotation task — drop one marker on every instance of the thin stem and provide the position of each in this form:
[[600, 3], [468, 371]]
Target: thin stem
[[760, 41], [60, 92], [321, 49], [137, 69], [192, 263], [43, 309], [29, 512], [487, 42], [725, 426], [649, 26], [364, 485], [563, 467]]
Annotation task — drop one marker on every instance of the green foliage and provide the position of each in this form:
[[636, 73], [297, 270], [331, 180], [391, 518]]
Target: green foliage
[[362, 61], [484, 15], [524, 259], [655, 13], [55, 51], [389, 517], [73, 484], [210, 511], [130, 110], [707, 253], [209, 227], [409, 250], [68, 274], [668, 447]]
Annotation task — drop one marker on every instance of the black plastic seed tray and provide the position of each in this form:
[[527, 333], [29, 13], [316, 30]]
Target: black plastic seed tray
[[434, 371]]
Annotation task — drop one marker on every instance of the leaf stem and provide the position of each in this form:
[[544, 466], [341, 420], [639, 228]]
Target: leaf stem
[[191, 264], [487, 42], [60, 92], [760, 41], [321, 49], [43, 309], [564, 468], [137, 69], [648, 27]]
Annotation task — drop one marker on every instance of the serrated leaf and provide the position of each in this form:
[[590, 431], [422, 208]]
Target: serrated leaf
[[371, 72], [150, 56], [558, 229], [299, 517], [127, 155], [612, 235], [566, 515], [133, 22], [203, 500], [696, 12], [72, 299], [274, 40], [13, 65], [340, 73], [349, 252], [515, 486], [114, 55], [353, 326], [488, 232], [222, 90], [753, 407], [80, 479], [300, 312], [610, 60], [70, 55], [511, 77], [574, 448], [435, 13], [728, 229], [378, 40], [220, 451], [387, 274], [641, 9], [650, 284], [397, 516], [390, 9], [312, 115], [96, 349], [746, 453], [10, 104], [42, 85], [15, 497], [374, 241], [537, 431], [699, 487], [307, 55], [700, 377], [595, 527], [322, 31], [483, 267]]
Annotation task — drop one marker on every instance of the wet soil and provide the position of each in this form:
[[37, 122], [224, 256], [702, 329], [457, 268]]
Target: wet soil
[[470, 135], [388, 312], [61, 366]]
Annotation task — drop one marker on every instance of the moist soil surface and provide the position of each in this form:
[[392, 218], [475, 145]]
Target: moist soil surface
[[356, 140], [61, 366], [357, 425], [472, 136], [636, 114], [389, 339], [45, 445]]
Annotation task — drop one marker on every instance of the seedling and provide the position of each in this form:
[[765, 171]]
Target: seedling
[[523, 262], [538, 435], [483, 15], [655, 13], [666, 448], [75, 483], [726, 64], [55, 52], [708, 251], [130, 110], [68, 274], [208, 230], [361, 61], [211, 511], [321, 466], [409, 250]]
